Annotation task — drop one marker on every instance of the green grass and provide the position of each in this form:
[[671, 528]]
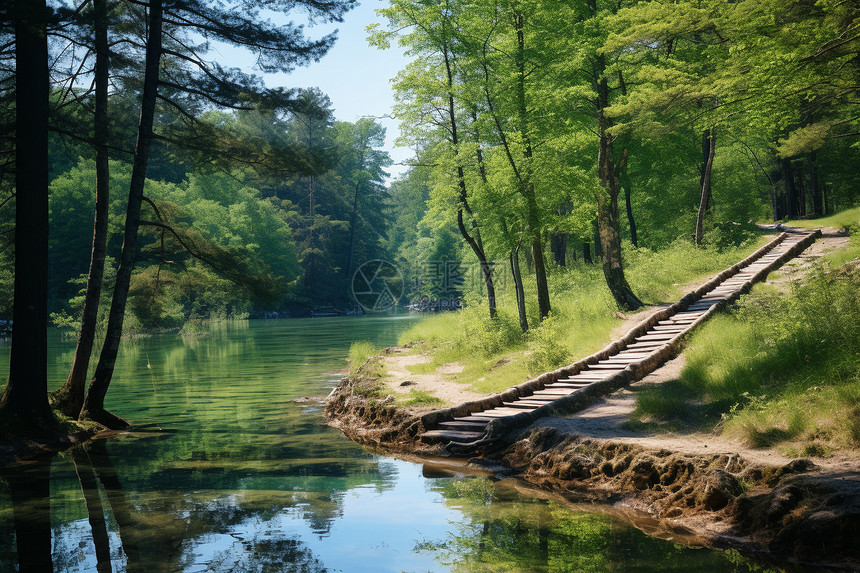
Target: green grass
[[496, 355], [421, 398], [359, 352], [779, 371], [849, 219]]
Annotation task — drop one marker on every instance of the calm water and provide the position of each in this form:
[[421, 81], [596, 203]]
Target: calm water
[[227, 471]]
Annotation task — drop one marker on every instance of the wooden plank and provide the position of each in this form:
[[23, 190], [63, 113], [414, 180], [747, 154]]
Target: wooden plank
[[477, 418], [653, 345], [523, 404], [462, 425], [541, 398], [453, 435], [503, 412], [623, 360], [551, 392], [655, 337]]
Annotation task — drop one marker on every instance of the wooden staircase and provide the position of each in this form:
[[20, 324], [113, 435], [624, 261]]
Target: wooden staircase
[[646, 347]]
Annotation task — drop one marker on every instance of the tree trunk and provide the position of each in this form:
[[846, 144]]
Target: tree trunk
[[710, 138], [526, 180], [26, 394], [814, 186], [774, 202], [625, 181], [518, 288], [70, 397], [540, 276], [353, 220], [630, 221], [473, 239], [93, 408], [607, 211], [801, 194], [790, 191], [824, 198], [558, 246], [586, 253]]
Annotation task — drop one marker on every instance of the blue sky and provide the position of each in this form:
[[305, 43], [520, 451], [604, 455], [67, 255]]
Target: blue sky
[[353, 74]]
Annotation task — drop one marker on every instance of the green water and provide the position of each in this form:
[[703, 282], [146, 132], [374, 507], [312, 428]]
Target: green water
[[227, 471]]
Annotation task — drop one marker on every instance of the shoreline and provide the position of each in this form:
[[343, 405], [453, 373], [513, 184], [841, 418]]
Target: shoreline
[[795, 512]]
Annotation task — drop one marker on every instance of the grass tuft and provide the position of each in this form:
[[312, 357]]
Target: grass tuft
[[421, 398], [359, 352]]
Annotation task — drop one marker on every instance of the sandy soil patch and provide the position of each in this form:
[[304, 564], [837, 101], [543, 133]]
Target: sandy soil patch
[[400, 380]]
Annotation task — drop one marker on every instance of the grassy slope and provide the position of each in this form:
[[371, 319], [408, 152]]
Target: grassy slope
[[496, 355], [782, 369]]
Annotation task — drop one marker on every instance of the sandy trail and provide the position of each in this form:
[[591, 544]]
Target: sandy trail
[[400, 380]]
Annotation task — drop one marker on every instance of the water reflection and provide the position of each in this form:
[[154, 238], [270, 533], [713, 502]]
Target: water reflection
[[29, 491], [229, 473]]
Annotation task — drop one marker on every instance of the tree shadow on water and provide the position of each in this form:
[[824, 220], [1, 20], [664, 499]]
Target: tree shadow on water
[[30, 493]]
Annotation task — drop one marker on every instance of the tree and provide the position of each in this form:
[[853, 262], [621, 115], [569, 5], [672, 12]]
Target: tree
[[69, 398], [363, 170], [279, 49], [25, 396], [432, 40]]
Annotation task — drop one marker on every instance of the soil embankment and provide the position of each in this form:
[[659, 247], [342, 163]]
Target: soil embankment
[[722, 493]]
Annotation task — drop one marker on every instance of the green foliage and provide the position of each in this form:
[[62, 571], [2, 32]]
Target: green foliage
[[546, 345]]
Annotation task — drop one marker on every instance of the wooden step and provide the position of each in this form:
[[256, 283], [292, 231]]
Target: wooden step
[[453, 435], [647, 337], [648, 345], [600, 366], [544, 398], [548, 391], [474, 418], [503, 412], [523, 404], [466, 426], [623, 360]]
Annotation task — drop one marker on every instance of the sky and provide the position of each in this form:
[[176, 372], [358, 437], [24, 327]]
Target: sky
[[354, 75]]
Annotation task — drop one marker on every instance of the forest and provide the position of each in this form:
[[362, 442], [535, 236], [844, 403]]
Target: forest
[[147, 187]]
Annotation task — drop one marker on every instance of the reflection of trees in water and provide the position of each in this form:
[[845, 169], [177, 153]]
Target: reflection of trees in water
[[267, 555], [153, 516], [29, 491], [502, 531]]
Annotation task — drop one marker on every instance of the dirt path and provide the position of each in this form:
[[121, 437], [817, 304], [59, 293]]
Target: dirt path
[[400, 380]]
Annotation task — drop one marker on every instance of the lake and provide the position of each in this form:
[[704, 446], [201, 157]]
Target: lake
[[227, 469]]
